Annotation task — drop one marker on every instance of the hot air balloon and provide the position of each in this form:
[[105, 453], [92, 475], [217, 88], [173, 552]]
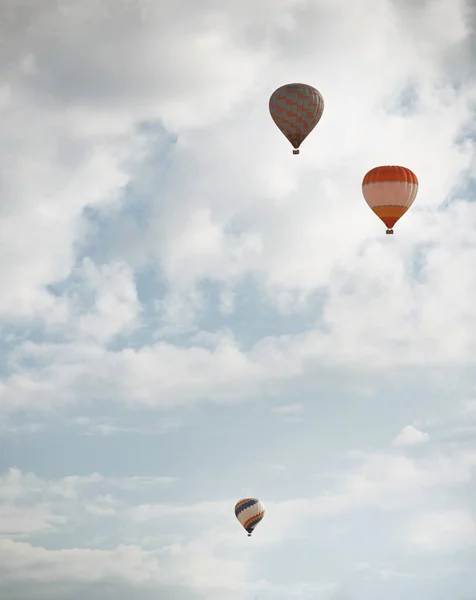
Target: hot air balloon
[[249, 512], [296, 108], [390, 191]]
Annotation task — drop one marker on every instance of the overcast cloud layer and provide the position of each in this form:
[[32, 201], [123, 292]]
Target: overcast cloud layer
[[189, 314]]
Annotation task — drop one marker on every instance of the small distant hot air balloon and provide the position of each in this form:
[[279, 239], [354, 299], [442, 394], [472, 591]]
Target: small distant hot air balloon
[[249, 512], [390, 191], [296, 108]]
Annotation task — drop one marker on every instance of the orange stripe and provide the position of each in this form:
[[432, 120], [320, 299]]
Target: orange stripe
[[390, 173], [389, 214], [248, 521]]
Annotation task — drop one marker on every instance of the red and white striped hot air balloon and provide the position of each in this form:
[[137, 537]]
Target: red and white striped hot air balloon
[[296, 108], [390, 191]]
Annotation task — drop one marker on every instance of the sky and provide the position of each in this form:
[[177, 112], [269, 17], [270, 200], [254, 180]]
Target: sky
[[190, 315]]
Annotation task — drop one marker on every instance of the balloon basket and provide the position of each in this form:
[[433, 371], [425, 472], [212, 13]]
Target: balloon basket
[[296, 151], [389, 232]]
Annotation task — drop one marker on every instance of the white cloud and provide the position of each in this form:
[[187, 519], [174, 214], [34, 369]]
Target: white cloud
[[130, 564], [289, 409], [137, 483], [103, 505], [469, 406], [227, 302], [384, 481], [30, 504], [388, 482], [409, 436], [283, 223], [21, 520], [7, 428], [107, 426], [116, 306], [275, 467], [158, 240], [16, 484], [159, 374], [446, 530]]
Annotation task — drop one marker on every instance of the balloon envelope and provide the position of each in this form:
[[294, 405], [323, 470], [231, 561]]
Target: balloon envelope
[[390, 191], [296, 108], [249, 512]]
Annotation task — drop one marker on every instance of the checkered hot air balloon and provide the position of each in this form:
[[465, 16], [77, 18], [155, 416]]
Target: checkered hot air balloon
[[249, 512], [296, 108], [390, 191]]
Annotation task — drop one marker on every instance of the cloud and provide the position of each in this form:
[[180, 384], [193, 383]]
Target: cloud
[[289, 409], [107, 426], [97, 181], [162, 250], [377, 481], [116, 308], [181, 550], [137, 483], [16, 484], [103, 505], [470, 406], [30, 504], [7, 428], [16, 521], [388, 481], [127, 563], [445, 530], [410, 436]]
